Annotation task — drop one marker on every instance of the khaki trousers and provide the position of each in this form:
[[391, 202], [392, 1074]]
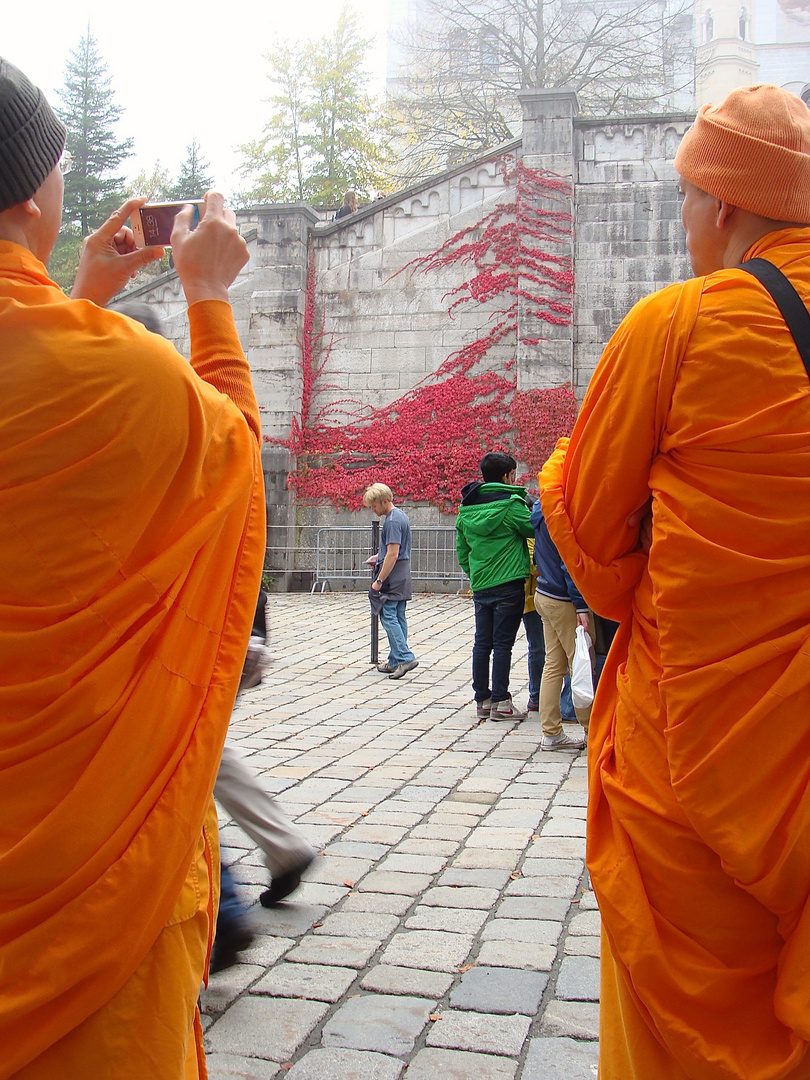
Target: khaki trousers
[[259, 815], [559, 629]]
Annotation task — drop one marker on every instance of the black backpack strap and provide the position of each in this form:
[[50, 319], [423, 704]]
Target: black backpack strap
[[787, 300]]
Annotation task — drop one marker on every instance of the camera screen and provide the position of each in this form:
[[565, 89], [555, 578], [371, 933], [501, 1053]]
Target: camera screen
[[158, 221]]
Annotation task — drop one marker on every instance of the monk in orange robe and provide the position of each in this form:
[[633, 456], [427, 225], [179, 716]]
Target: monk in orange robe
[[681, 508], [131, 543]]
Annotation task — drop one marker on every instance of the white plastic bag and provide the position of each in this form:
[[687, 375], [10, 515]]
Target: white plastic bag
[[581, 671]]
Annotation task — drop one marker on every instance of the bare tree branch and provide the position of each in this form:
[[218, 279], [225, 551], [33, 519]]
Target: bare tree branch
[[465, 61]]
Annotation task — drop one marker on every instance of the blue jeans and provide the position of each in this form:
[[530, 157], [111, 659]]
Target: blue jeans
[[498, 612], [533, 625], [599, 663], [567, 702], [395, 625], [231, 908]]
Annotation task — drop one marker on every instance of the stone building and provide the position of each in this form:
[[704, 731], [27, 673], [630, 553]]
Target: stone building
[[625, 53], [753, 41], [720, 44], [361, 298]]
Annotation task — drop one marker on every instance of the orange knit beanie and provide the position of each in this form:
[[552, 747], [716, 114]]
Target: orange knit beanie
[[753, 151]]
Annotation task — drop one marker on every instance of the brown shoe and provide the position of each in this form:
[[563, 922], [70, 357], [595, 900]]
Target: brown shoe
[[403, 669]]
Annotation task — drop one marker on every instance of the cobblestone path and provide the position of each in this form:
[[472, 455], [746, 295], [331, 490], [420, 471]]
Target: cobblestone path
[[447, 930]]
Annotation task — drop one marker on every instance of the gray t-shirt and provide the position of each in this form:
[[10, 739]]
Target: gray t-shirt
[[396, 530]]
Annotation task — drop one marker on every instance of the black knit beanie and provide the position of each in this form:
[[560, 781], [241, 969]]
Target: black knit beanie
[[31, 137]]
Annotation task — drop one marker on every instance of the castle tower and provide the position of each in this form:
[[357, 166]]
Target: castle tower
[[726, 54]]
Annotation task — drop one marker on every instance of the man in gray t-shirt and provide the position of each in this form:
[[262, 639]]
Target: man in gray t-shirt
[[391, 588]]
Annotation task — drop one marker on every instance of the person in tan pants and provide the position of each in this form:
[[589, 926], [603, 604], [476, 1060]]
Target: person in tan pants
[[562, 608]]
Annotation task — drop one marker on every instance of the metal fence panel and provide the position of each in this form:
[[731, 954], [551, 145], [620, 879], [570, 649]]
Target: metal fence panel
[[433, 554], [341, 553]]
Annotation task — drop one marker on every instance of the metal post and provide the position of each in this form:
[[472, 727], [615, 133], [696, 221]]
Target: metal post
[[375, 621]]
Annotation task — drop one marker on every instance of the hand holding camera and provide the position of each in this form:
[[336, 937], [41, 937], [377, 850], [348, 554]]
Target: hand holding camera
[[110, 257], [207, 248], [207, 258]]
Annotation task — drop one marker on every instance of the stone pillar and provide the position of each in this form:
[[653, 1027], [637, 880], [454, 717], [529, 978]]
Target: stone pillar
[[281, 532], [271, 319], [548, 145], [273, 310]]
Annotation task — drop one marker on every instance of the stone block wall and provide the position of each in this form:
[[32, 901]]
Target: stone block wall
[[548, 145], [388, 326], [629, 239]]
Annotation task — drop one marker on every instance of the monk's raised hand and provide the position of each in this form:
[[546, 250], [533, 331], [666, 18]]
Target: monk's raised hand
[[208, 258], [110, 258]]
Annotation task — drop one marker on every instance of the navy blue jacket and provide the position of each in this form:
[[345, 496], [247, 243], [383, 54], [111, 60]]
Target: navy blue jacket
[[552, 578]]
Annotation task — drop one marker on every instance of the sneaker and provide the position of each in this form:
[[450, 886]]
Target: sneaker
[[532, 706], [483, 708], [283, 885], [386, 669], [561, 742], [505, 710], [229, 941], [403, 669]]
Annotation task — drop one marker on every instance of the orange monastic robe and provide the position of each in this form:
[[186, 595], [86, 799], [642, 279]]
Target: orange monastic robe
[[699, 750], [131, 541]]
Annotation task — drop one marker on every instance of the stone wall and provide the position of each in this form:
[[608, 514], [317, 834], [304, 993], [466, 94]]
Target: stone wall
[[629, 239], [387, 327]]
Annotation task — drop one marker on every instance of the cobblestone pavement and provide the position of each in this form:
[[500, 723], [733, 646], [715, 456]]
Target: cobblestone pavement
[[447, 930]]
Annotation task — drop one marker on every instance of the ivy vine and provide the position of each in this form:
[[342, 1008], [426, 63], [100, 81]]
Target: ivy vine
[[427, 444]]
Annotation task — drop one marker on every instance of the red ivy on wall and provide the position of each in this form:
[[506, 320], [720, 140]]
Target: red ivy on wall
[[427, 444], [540, 417]]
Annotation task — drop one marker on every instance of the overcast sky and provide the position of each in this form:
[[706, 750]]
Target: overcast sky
[[178, 74]]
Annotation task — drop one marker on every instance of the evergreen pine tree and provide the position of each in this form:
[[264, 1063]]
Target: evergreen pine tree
[[193, 180], [93, 186], [64, 260]]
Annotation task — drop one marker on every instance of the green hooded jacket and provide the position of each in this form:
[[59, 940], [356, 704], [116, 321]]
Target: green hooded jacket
[[493, 525]]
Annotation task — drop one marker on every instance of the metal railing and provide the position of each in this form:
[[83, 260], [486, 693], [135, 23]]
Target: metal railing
[[291, 550], [341, 554]]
